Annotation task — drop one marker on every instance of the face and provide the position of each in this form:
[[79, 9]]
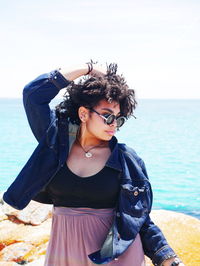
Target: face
[[94, 124]]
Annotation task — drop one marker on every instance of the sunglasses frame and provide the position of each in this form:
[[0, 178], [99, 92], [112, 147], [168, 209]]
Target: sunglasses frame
[[106, 119]]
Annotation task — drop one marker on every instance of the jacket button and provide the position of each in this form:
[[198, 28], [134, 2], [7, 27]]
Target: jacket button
[[115, 258], [118, 214], [135, 193]]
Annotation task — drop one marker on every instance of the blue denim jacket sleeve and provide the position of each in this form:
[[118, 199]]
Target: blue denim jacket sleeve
[[154, 242], [36, 98]]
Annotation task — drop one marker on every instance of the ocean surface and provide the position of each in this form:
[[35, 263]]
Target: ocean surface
[[166, 134]]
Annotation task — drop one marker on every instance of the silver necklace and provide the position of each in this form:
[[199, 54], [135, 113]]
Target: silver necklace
[[88, 154]]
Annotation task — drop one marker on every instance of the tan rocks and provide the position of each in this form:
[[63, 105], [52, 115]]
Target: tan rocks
[[38, 262], [182, 232], [9, 263], [2, 215], [8, 231], [20, 241], [35, 213], [16, 252]]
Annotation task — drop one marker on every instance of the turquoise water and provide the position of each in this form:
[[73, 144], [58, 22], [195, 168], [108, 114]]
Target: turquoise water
[[166, 134]]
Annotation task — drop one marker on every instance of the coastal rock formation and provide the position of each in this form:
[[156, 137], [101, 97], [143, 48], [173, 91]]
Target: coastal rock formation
[[35, 213], [182, 232], [24, 235]]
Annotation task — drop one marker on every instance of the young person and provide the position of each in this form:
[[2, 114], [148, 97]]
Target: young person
[[99, 188]]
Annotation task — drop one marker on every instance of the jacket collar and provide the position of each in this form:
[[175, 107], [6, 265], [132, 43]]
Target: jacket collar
[[114, 161]]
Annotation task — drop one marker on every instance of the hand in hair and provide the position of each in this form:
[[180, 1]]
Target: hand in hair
[[98, 70]]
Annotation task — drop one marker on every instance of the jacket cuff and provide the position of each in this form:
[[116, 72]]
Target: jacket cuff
[[162, 254], [58, 79]]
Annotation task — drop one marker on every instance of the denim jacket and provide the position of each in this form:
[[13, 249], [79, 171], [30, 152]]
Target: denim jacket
[[55, 137]]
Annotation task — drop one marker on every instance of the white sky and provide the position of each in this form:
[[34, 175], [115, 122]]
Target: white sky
[[156, 43]]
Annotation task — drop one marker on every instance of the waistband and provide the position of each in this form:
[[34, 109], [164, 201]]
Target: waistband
[[83, 211]]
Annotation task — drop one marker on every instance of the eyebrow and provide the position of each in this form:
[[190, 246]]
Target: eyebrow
[[108, 109]]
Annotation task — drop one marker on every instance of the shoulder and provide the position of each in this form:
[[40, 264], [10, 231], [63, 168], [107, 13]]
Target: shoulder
[[131, 155], [129, 152]]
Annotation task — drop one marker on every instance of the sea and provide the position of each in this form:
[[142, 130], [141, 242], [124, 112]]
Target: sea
[[165, 134]]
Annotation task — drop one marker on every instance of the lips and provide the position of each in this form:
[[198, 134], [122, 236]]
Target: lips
[[110, 132]]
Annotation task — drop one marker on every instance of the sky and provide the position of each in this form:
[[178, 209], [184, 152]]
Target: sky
[[156, 43]]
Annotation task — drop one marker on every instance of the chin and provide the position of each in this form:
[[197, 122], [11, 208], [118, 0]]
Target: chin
[[108, 138]]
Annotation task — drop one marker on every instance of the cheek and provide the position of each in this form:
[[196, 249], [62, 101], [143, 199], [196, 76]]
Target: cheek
[[99, 132], [96, 127]]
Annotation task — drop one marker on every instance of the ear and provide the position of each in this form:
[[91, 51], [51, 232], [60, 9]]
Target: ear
[[83, 114]]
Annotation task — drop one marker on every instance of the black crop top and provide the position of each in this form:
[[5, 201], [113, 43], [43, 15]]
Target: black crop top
[[66, 189]]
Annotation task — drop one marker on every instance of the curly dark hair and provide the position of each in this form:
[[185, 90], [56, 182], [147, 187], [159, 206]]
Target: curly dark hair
[[89, 91]]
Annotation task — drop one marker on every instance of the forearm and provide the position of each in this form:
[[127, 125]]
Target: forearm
[[74, 72]]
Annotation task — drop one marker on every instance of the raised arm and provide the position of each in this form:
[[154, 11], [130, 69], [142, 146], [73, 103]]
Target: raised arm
[[38, 94]]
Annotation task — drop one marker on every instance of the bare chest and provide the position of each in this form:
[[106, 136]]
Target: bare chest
[[84, 166]]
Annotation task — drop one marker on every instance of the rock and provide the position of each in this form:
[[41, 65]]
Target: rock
[[38, 262], [38, 254], [16, 252], [182, 233], [35, 235], [35, 213], [8, 263], [1, 197], [8, 231], [35, 238], [3, 216]]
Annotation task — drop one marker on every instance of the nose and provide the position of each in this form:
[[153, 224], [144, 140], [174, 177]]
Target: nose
[[114, 123]]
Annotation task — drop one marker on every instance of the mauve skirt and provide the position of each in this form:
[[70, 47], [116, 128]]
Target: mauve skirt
[[78, 232]]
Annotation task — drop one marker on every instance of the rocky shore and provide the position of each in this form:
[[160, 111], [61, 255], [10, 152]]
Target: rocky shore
[[24, 235]]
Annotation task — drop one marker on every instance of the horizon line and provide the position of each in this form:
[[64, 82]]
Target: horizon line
[[192, 98]]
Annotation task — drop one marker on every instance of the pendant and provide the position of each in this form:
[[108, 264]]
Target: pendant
[[88, 154]]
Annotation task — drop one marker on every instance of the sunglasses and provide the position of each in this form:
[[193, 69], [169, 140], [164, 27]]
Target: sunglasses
[[109, 118]]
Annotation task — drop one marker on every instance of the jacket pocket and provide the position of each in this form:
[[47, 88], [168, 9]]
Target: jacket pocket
[[134, 199]]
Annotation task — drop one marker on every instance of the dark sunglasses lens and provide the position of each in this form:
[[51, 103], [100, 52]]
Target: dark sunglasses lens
[[110, 119], [120, 121]]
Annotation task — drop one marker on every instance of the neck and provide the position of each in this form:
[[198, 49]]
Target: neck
[[88, 141]]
